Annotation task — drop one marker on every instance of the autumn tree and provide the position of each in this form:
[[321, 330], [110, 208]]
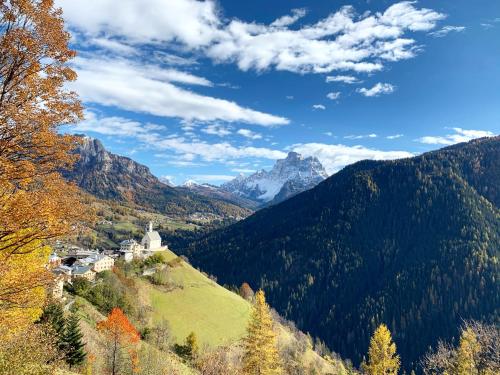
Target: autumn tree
[[478, 352], [246, 292], [31, 351], [261, 355], [122, 338], [467, 353], [36, 204], [189, 350], [216, 362], [382, 357]]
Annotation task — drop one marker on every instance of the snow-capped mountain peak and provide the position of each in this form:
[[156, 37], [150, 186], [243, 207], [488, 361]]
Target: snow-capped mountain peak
[[263, 186], [190, 184]]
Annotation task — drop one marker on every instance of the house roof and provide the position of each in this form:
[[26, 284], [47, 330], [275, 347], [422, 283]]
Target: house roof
[[151, 236], [80, 270], [128, 242]]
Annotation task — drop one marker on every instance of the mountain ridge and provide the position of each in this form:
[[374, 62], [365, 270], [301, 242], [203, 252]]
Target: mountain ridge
[[410, 242], [114, 177], [288, 177]]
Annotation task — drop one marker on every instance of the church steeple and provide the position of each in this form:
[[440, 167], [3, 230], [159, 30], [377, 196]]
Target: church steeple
[[150, 227]]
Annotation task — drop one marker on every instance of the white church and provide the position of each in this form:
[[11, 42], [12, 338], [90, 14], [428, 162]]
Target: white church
[[150, 243]]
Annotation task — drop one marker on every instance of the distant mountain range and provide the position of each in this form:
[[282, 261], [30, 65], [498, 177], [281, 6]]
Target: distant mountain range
[[413, 243], [288, 177], [113, 177], [216, 192]]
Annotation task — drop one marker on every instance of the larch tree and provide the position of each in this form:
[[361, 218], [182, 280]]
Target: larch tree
[[36, 204], [382, 357], [467, 353], [123, 339], [261, 356]]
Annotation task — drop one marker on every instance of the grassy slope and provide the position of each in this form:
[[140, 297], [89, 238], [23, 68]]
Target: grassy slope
[[197, 304], [89, 317], [215, 314]]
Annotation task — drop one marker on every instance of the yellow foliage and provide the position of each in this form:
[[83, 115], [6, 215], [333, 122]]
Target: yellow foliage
[[36, 204], [382, 357], [467, 353], [261, 355], [23, 278]]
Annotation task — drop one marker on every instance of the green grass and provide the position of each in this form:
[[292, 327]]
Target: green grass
[[199, 305]]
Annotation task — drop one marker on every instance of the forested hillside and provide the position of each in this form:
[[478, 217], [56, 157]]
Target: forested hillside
[[113, 177], [412, 243]]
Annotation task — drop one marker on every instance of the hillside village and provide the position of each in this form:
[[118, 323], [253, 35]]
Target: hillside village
[[69, 262]]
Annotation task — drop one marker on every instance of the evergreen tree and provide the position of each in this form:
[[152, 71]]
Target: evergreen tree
[[467, 353], [382, 357], [261, 355], [53, 315], [74, 347]]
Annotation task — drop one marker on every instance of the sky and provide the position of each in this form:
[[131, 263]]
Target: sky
[[205, 90]]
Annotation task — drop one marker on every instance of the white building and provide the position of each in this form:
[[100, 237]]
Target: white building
[[150, 243], [151, 240], [98, 262]]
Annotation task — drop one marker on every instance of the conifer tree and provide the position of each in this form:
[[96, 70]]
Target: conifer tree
[[53, 314], [382, 357], [261, 355], [467, 352], [74, 347]]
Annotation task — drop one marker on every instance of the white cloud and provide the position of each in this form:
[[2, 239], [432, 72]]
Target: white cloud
[[377, 90], [189, 22], [330, 134], [216, 151], [114, 46], [216, 129], [211, 177], [249, 134], [289, 97], [149, 89], [460, 135], [243, 170], [113, 125], [394, 136], [342, 41], [185, 151], [319, 106], [333, 95], [446, 30], [335, 157], [372, 135], [350, 80], [170, 59], [289, 20]]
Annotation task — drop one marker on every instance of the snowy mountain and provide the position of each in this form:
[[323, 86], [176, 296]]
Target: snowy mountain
[[288, 177], [216, 192]]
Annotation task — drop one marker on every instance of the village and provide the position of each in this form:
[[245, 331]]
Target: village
[[73, 262]]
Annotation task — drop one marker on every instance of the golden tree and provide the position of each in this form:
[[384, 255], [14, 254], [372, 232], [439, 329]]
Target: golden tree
[[467, 353], [261, 355], [36, 204], [382, 357]]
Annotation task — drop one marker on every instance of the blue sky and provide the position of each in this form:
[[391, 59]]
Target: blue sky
[[207, 90]]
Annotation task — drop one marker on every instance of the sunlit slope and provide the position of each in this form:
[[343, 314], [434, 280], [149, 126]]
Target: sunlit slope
[[194, 303]]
